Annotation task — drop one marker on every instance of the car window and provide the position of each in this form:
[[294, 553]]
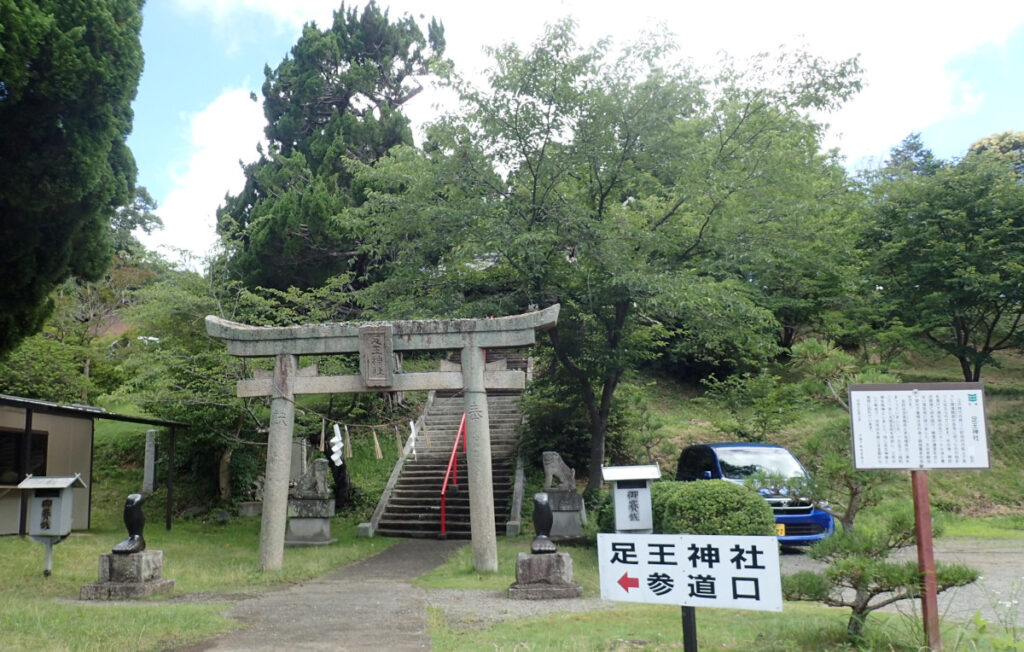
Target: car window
[[739, 463], [694, 462]]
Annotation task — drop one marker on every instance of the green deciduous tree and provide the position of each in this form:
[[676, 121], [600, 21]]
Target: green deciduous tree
[[68, 74], [337, 96], [600, 183], [948, 250], [750, 407], [1007, 146], [176, 372]]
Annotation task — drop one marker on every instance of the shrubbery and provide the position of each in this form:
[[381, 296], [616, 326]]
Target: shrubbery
[[704, 507], [710, 507]]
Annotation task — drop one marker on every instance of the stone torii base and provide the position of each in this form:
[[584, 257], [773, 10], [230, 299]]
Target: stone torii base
[[376, 343]]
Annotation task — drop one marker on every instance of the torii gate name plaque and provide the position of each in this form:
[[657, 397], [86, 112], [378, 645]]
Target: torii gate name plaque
[[376, 342]]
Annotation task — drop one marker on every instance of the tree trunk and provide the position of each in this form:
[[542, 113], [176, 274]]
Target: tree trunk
[[855, 628], [86, 370], [599, 415], [965, 368], [597, 411], [787, 337], [224, 475], [597, 440]]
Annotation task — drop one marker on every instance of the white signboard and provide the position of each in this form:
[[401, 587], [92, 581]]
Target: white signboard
[[919, 426], [729, 572], [633, 506]]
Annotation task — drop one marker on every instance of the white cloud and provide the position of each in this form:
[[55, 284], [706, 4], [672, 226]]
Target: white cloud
[[221, 135], [905, 49], [293, 13]]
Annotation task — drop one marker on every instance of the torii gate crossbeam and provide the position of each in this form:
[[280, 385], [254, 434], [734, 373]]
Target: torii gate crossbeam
[[376, 342]]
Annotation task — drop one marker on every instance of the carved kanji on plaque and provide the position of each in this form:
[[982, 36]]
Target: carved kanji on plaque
[[376, 356]]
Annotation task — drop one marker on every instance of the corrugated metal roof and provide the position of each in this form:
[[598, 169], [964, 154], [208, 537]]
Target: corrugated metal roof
[[79, 410], [51, 482]]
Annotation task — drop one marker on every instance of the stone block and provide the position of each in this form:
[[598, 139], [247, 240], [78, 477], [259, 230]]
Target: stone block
[[142, 566], [364, 530], [125, 577], [564, 501], [250, 508], [308, 532], [566, 525], [315, 508], [544, 577], [124, 590]]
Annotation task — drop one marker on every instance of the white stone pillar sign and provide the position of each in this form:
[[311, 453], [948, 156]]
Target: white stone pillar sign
[[917, 426], [149, 463]]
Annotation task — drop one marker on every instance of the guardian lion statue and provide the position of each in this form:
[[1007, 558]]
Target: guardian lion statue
[[554, 468]]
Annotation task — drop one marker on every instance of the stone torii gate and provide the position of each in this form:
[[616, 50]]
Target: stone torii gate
[[376, 342]]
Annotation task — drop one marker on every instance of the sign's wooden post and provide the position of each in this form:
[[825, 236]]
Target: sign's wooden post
[[926, 559], [376, 343]]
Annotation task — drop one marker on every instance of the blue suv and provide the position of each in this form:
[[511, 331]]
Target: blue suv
[[797, 521]]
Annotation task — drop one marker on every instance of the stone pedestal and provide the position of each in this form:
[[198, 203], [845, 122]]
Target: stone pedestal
[[566, 510], [544, 577], [250, 508], [310, 508], [124, 577], [309, 522]]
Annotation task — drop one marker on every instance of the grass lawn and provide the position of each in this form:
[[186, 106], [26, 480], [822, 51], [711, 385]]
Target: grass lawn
[[39, 613], [658, 627], [800, 626]]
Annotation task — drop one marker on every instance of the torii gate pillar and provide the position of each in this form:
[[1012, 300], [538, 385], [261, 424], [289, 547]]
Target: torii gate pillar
[[279, 455], [478, 461], [375, 342]]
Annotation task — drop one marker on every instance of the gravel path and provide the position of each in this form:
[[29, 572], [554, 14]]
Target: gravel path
[[1000, 562], [367, 605]]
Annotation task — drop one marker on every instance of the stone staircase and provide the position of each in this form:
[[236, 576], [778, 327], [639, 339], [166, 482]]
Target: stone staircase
[[414, 508]]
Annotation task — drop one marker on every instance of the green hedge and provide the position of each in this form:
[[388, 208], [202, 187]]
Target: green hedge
[[710, 507]]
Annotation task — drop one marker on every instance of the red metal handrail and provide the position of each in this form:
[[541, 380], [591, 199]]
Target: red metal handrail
[[453, 470]]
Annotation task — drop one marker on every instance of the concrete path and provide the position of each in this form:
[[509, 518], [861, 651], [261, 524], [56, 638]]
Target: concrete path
[[367, 605]]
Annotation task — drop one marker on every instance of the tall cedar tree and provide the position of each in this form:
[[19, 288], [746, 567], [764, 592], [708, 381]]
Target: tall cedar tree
[[336, 97], [69, 70]]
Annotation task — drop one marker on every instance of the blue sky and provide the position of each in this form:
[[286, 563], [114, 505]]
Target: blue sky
[[949, 70]]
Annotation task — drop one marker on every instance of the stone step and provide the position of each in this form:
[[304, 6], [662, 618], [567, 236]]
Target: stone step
[[414, 509], [425, 511], [439, 464], [454, 533], [433, 493], [438, 478]]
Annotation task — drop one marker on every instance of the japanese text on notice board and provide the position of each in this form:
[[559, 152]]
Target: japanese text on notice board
[[924, 426]]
